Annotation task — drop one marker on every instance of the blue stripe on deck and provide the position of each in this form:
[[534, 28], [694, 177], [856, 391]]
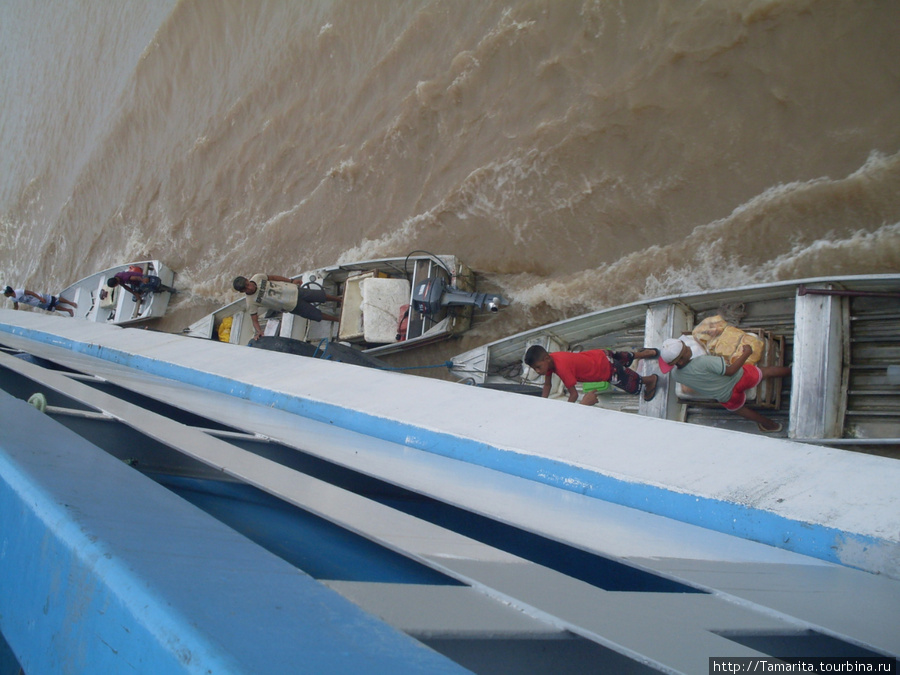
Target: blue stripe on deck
[[812, 539], [104, 571]]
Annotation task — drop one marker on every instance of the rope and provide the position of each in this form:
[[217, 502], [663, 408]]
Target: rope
[[319, 346]]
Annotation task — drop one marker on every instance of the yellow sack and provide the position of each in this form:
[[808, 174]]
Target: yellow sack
[[722, 339], [225, 329], [709, 329]]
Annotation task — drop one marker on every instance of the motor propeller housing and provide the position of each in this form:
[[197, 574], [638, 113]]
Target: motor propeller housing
[[433, 294]]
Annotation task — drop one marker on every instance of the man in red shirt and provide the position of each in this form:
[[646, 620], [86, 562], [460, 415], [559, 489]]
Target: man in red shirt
[[595, 365]]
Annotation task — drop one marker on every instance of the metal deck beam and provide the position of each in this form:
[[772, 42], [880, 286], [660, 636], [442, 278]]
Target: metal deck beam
[[103, 570]]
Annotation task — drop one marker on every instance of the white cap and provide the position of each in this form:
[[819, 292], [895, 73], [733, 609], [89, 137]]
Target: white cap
[[669, 351]]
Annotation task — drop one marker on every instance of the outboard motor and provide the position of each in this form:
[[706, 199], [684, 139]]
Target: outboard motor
[[433, 293]]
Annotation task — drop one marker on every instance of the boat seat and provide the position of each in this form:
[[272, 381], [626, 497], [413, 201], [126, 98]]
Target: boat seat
[[765, 395], [819, 382]]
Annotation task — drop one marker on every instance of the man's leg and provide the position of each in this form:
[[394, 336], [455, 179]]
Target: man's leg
[[307, 310], [775, 371], [311, 312], [629, 380], [764, 423], [649, 385]]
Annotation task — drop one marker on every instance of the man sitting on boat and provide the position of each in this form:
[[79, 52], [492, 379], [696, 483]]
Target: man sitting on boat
[[284, 295], [137, 283], [595, 365], [51, 303], [713, 377]]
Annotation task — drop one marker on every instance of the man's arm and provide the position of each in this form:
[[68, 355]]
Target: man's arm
[[275, 277], [590, 398], [545, 392], [739, 361], [259, 331], [128, 288]]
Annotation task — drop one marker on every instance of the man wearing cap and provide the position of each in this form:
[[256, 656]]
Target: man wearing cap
[[713, 377], [284, 295]]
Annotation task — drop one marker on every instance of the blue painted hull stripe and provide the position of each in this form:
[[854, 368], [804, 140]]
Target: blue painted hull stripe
[[815, 540]]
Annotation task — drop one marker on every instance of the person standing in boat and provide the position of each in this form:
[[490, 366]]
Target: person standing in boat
[[283, 295], [51, 303], [137, 283], [595, 365], [713, 377]]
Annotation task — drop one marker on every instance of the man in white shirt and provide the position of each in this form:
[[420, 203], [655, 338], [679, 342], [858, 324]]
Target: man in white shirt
[[284, 295], [46, 301]]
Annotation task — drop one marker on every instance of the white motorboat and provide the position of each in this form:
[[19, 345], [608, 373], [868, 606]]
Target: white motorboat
[[99, 302], [388, 305]]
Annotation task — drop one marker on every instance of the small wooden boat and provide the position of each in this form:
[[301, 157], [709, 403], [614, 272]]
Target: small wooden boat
[[100, 303], [841, 335], [388, 305]]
